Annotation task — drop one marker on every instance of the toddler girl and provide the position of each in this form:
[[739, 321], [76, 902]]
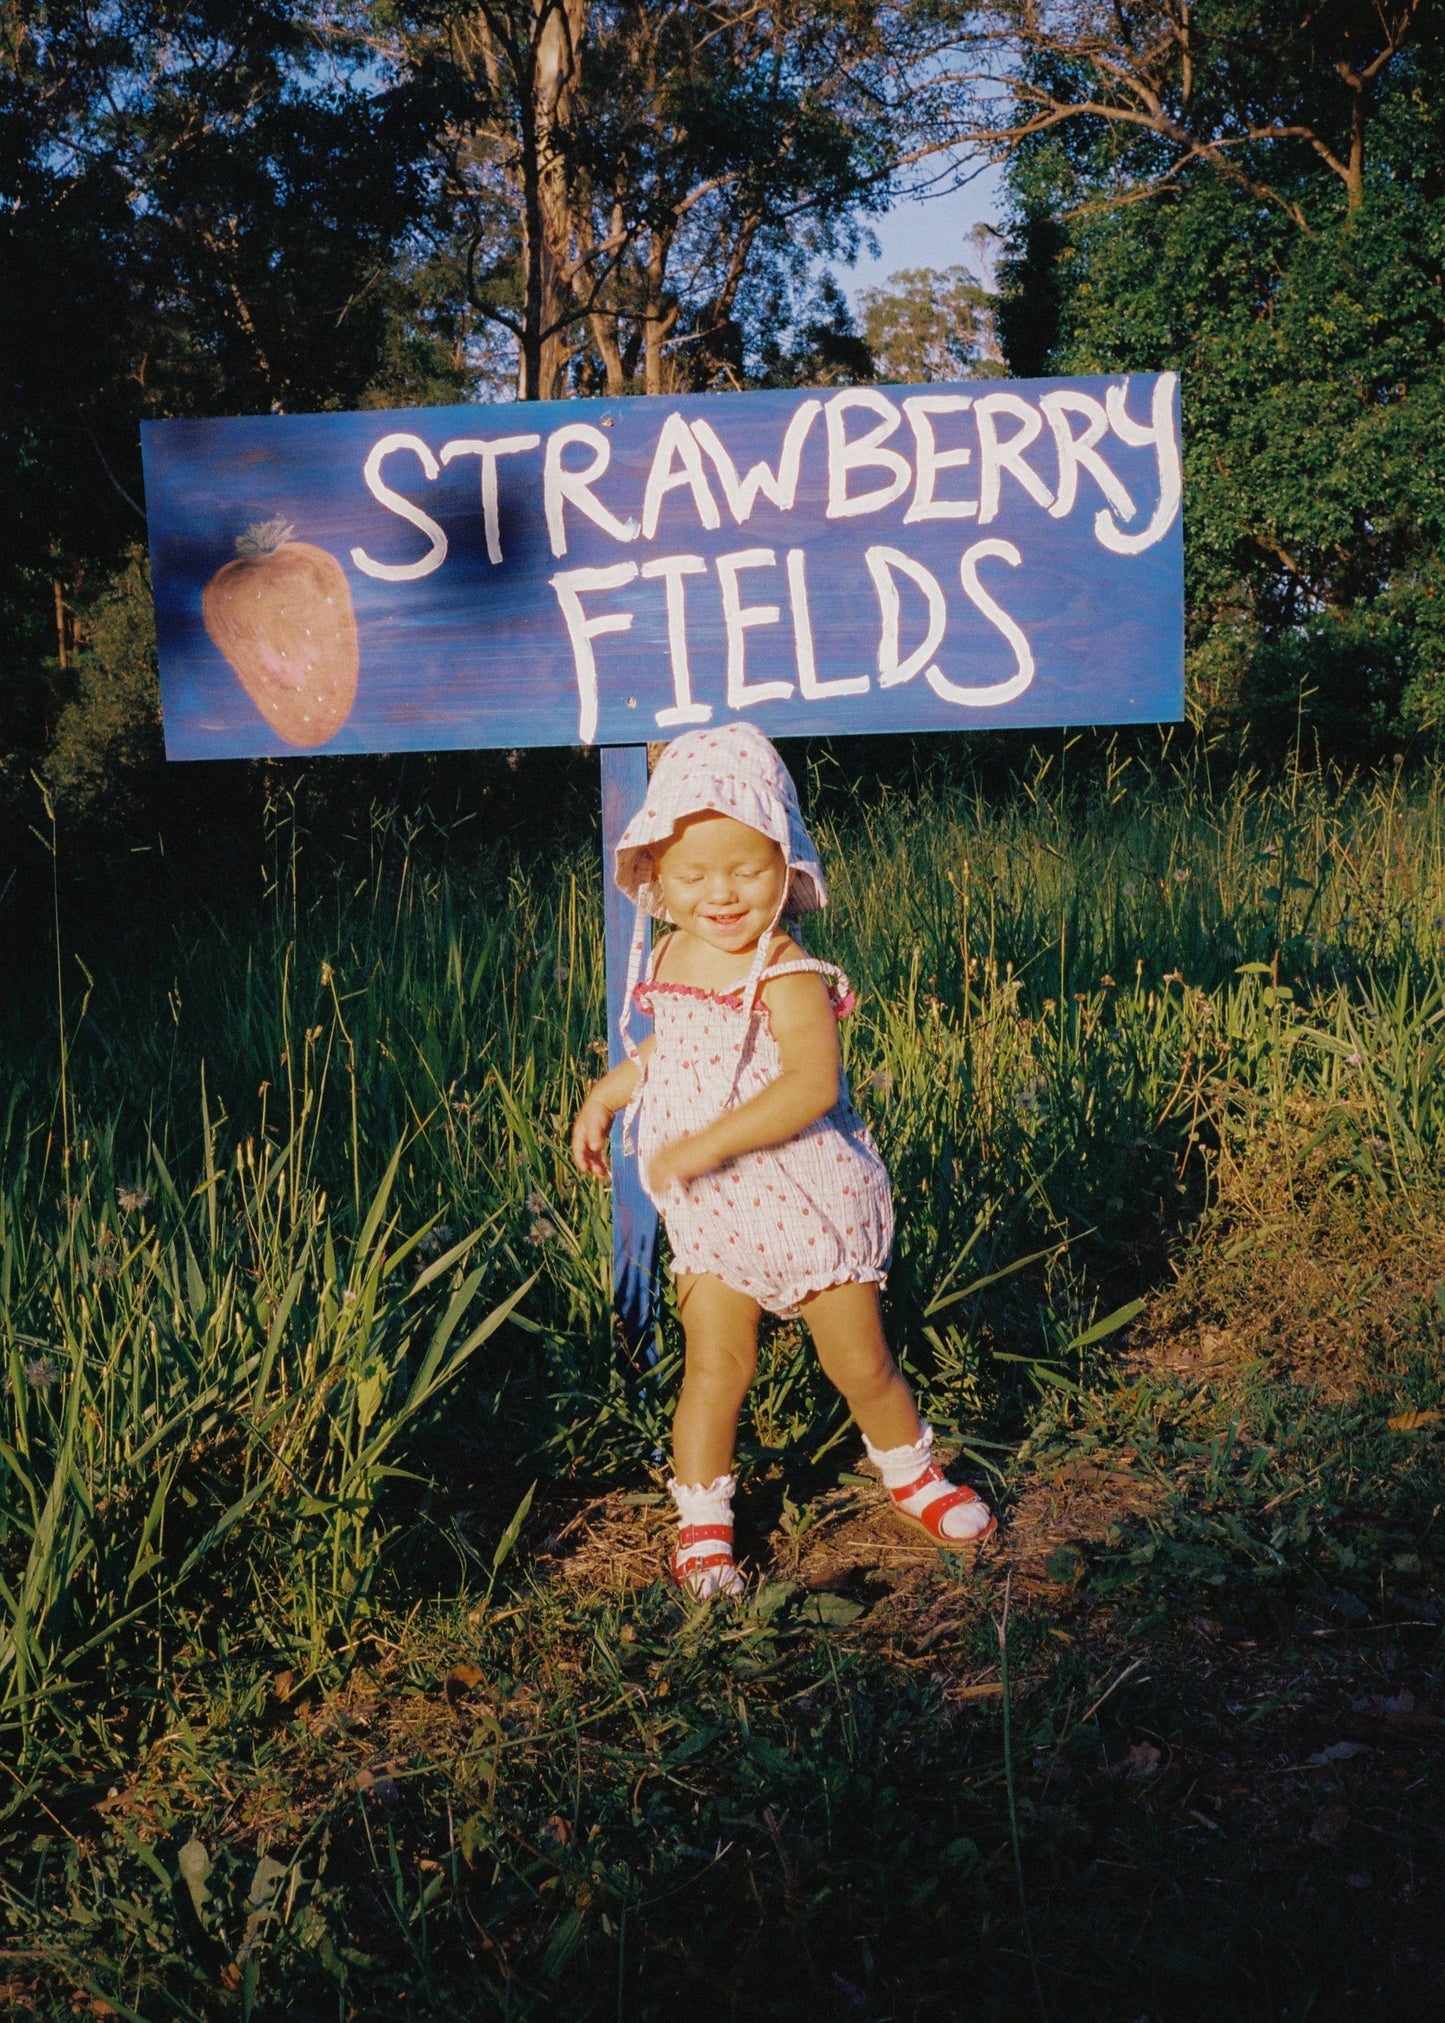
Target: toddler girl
[[770, 1187]]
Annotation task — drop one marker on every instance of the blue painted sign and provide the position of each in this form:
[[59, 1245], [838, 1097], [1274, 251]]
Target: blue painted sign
[[611, 572]]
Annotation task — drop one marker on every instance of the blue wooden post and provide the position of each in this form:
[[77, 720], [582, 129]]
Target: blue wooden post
[[634, 1219]]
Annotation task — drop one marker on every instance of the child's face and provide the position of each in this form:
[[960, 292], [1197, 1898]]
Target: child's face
[[722, 881]]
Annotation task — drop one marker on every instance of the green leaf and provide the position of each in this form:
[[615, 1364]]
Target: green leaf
[[194, 1865], [830, 1611], [1110, 1325], [506, 1544], [691, 1745]]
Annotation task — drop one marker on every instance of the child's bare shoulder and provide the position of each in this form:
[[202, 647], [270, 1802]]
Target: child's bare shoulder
[[804, 993], [783, 948]]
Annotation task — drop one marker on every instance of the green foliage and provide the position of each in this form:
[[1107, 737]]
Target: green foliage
[[930, 324], [106, 745], [819, 345], [265, 1210], [1042, 1078], [1313, 394], [200, 212], [207, 1397]]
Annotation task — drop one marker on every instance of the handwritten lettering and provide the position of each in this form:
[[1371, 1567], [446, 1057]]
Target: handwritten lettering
[[394, 502], [992, 451]]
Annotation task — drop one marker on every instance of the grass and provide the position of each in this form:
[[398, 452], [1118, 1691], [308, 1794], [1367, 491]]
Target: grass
[[335, 1674]]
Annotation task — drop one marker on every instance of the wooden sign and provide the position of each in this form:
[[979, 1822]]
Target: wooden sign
[[594, 572], [616, 572]]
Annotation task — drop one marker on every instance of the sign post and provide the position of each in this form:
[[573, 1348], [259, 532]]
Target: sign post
[[634, 1219], [994, 553]]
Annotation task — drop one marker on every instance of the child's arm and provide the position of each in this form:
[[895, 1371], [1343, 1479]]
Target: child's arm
[[806, 1030], [601, 1104]]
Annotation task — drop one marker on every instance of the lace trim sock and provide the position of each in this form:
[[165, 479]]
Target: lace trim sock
[[912, 1468], [703, 1562]]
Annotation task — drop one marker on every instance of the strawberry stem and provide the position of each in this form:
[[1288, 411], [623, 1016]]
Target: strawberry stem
[[264, 538]]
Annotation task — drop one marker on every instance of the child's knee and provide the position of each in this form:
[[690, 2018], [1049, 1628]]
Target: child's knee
[[862, 1375], [721, 1364]]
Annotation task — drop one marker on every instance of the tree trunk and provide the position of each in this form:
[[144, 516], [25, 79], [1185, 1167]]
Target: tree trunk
[[603, 321], [546, 83], [658, 322], [1355, 179]]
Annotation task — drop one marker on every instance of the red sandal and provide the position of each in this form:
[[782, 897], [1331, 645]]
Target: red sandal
[[949, 1496], [707, 1574]]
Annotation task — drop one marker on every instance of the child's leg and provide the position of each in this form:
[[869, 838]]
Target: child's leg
[[721, 1353], [720, 1327], [847, 1330]]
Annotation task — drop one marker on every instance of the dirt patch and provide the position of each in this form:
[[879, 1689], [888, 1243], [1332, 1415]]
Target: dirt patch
[[615, 1543], [1312, 1275], [1072, 1505]]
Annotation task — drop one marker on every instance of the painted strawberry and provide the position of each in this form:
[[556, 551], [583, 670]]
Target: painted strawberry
[[281, 613]]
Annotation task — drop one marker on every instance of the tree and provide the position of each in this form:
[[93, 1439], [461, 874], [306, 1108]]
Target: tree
[[931, 324], [1149, 90], [1305, 311], [200, 212], [654, 160]]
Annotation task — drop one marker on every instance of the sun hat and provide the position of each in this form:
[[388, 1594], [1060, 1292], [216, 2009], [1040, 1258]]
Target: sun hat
[[732, 770]]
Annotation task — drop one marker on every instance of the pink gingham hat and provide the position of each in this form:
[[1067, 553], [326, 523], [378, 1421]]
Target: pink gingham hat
[[735, 771]]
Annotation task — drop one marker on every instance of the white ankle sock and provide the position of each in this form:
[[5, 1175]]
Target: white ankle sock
[[899, 1466], [708, 1503]]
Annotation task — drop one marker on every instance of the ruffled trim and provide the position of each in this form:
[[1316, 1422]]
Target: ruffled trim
[[850, 1274], [844, 1000]]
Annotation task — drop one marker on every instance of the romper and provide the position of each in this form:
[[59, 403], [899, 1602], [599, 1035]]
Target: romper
[[781, 1223]]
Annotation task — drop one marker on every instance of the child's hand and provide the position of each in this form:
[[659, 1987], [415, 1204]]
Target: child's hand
[[684, 1159], [590, 1133]]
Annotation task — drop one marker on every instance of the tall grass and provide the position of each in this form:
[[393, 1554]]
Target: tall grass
[[272, 1185]]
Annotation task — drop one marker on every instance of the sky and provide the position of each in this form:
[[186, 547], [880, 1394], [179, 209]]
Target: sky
[[926, 232]]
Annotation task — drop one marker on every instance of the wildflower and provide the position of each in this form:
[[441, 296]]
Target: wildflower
[[1129, 888], [882, 1082], [540, 1230], [1172, 976], [1106, 982], [348, 1295], [104, 1269], [1181, 874], [561, 972], [40, 1373], [134, 1200], [536, 1202], [1352, 1060], [599, 1048], [436, 1240], [1029, 1097]]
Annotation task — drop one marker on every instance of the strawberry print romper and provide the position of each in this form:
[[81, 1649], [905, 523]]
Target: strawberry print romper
[[778, 1224]]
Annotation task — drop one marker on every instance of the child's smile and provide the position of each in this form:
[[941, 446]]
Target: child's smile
[[722, 881]]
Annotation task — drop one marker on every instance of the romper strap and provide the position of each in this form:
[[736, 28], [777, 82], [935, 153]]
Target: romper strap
[[839, 989]]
